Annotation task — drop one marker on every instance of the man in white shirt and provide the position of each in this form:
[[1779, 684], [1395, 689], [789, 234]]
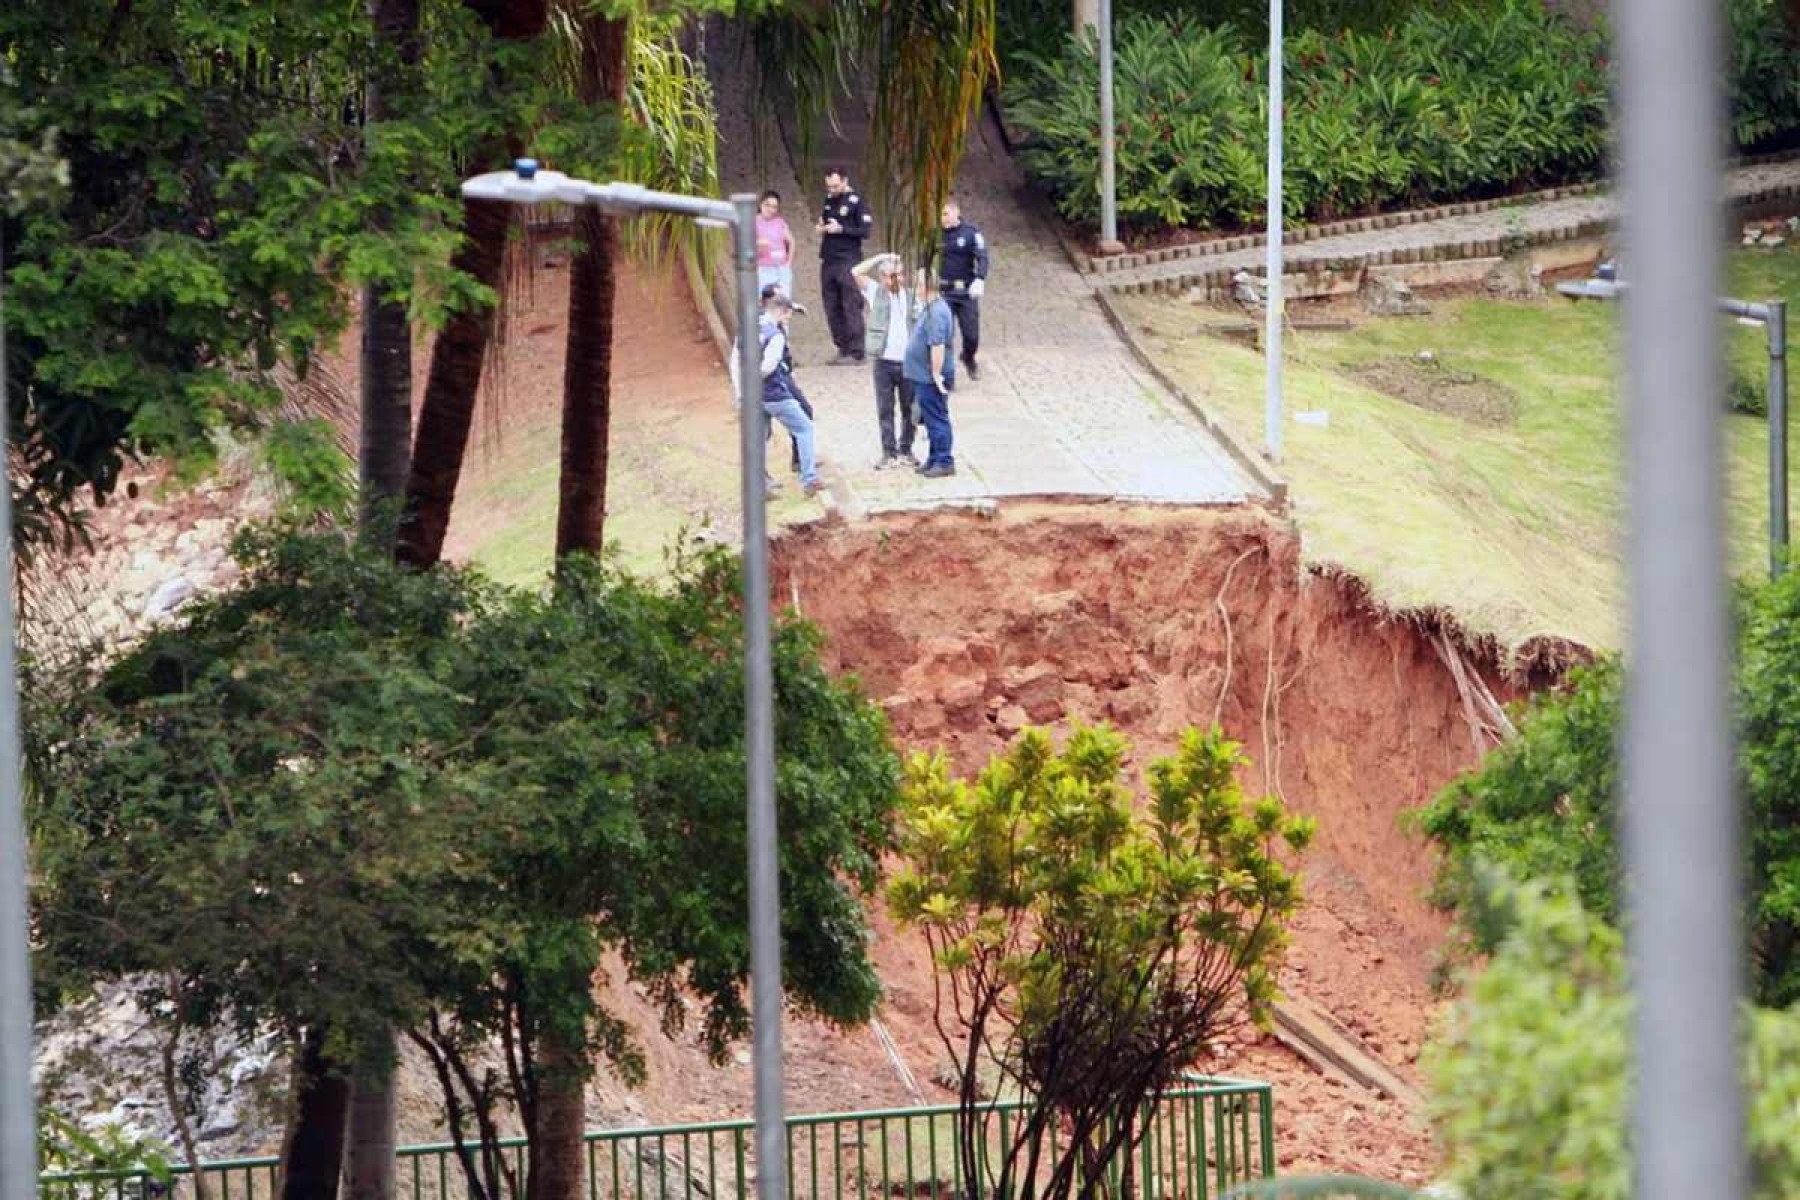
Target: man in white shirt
[[887, 324]]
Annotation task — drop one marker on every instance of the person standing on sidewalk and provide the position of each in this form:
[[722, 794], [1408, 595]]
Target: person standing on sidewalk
[[889, 326], [781, 397], [843, 224], [931, 370], [963, 262], [774, 246]]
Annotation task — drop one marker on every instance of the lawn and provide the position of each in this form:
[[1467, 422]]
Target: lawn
[[1514, 522]]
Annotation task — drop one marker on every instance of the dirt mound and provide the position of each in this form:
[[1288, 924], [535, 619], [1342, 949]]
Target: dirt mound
[[969, 626], [1428, 383]]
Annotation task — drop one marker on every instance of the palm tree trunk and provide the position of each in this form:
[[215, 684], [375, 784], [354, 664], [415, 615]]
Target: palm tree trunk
[[456, 357], [386, 385], [554, 1153], [386, 450], [448, 409], [587, 363], [315, 1152]]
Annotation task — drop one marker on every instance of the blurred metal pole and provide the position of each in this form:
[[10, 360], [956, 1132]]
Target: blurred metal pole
[[1775, 327], [18, 1118], [1680, 813], [759, 732], [1109, 199], [1275, 312]]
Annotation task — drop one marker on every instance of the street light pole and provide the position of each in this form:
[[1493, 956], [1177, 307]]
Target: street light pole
[[1679, 808], [1772, 316], [1109, 196], [1275, 311], [759, 733], [18, 1118], [1775, 329], [526, 184]]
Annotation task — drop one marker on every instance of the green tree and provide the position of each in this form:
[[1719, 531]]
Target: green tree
[[243, 814], [607, 729], [220, 198], [1531, 1078], [1084, 951], [1544, 805], [351, 799]]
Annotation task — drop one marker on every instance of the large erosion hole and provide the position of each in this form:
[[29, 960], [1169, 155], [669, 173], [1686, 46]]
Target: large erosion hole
[[967, 626]]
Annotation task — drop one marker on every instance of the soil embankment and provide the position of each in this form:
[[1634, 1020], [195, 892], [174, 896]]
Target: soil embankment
[[968, 626]]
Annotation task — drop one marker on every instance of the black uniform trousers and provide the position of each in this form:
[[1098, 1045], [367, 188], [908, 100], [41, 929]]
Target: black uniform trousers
[[843, 306], [967, 309], [893, 409]]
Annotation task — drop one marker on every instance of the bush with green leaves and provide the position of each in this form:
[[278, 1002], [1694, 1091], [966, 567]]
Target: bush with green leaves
[[345, 799], [1543, 806], [1041, 26], [1084, 949], [1531, 1077], [1473, 100]]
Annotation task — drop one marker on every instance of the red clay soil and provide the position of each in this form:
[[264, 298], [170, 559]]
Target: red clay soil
[[969, 626]]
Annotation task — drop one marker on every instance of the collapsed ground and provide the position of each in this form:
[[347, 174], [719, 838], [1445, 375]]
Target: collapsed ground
[[968, 626]]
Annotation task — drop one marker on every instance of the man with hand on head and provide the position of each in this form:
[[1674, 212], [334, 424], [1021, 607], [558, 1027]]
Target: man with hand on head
[[890, 325], [843, 224]]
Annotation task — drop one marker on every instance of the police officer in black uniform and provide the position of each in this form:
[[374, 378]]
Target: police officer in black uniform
[[842, 228], [963, 263]]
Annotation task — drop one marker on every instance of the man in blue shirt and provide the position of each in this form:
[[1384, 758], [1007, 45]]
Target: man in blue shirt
[[931, 369]]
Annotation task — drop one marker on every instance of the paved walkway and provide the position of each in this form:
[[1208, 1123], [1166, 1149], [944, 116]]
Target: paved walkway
[[1532, 220], [1061, 408]]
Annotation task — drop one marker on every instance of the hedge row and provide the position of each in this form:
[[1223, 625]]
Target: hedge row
[[1448, 104]]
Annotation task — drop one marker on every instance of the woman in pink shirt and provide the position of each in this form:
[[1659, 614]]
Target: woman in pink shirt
[[774, 246]]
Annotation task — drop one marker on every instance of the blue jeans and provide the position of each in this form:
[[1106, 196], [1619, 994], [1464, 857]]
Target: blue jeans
[[793, 418], [783, 276], [934, 407]]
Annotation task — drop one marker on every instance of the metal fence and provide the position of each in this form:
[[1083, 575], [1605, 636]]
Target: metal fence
[[1199, 1140]]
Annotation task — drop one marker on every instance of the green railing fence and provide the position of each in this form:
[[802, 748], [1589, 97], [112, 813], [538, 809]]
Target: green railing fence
[[1200, 1140]]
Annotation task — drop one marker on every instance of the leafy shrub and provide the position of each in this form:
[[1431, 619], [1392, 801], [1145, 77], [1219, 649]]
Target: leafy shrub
[[1765, 72], [1465, 101], [1085, 947], [1542, 806], [1040, 26], [1532, 1076]]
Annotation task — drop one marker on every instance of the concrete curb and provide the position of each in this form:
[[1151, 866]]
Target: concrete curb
[[1253, 464], [1216, 281], [1231, 243]]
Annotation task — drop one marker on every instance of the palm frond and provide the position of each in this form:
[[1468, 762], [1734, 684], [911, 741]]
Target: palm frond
[[923, 66]]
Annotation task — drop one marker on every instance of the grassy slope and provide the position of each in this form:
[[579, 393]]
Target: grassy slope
[[1517, 529]]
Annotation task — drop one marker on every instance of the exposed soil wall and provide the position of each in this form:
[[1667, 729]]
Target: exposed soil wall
[[968, 626]]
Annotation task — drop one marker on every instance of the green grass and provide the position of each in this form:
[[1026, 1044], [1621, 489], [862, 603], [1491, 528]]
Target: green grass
[[1517, 530]]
